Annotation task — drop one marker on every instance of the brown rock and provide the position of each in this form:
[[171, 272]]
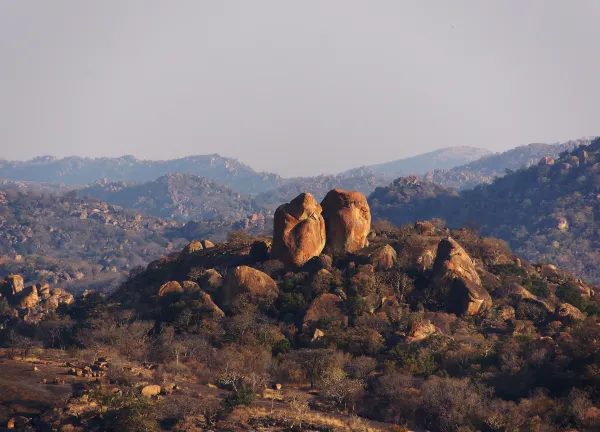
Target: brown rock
[[383, 258], [549, 271], [546, 161], [192, 247], [420, 330], [424, 227], [260, 250], [298, 231], [210, 306], [12, 285], [190, 287], [170, 287], [569, 313], [456, 279], [347, 220], [211, 281], [325, 307], [150, 390], [257, 286], [43, 290], [28, 298], [207, 244]]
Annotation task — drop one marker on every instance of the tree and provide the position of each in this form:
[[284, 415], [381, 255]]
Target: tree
[[312, 361]]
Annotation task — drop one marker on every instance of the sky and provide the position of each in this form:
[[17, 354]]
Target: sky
[[296, 88]]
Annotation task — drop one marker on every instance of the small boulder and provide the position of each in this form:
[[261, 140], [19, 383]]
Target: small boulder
[[207, 244], [549, 271], [211, 281], [192, 247], [420, 330], [569, 313], [456, 281], [298, 231], [327, 307], [257, 286], [383, 258], [170, 287], [260, 249], [150, 390], [347, 219], [28, 298], [210, 306]]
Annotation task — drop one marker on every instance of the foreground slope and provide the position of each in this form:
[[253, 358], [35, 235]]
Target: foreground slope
[[425, 327]]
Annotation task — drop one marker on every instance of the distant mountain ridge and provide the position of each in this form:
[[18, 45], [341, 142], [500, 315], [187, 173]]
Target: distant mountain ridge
[[444, 158], [79, 171]]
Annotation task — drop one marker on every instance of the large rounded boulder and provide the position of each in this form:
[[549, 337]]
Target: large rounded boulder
[[347, 220], [456, 282], [298, 231], [256, 286]]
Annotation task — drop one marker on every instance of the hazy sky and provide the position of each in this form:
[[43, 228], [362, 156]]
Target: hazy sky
[[295, 87]]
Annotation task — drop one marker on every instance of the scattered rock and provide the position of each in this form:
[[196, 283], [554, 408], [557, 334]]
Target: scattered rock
[[383, 258], [456, 279], [257, 286], [260, 250], [347, 220], [325, 307], [170, 287], [298, 231], [150, 390], [567, 312], [192, 247]]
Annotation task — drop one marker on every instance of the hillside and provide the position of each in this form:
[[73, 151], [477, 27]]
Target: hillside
[[548, 212], [488, 168], [424, 328], [443, 158], [74, 242], [180, 197], [82, 171]]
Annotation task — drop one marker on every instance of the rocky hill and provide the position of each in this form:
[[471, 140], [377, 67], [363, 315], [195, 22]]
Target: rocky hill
[[328, 325], [180, 197], [75, 242], [547, 212], [82, 171], [490, 167]]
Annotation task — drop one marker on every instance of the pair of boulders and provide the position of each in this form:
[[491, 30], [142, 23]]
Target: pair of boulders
[[302, 228]]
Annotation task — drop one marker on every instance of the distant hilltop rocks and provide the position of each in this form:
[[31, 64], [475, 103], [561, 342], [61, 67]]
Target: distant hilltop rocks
[[303, 228]]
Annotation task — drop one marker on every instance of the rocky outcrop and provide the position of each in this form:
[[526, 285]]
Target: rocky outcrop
[[325, 307], [347, 220], [12, 285], [58, 296], [383, 258], [210, 306], [170, 287], [569, 313], [298, 231], [456, 281], [211, 281], [420, 330], [192, 247], [256, 286], [28, 298]]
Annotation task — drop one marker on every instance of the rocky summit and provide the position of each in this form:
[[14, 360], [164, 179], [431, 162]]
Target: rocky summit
[[298, 231]]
